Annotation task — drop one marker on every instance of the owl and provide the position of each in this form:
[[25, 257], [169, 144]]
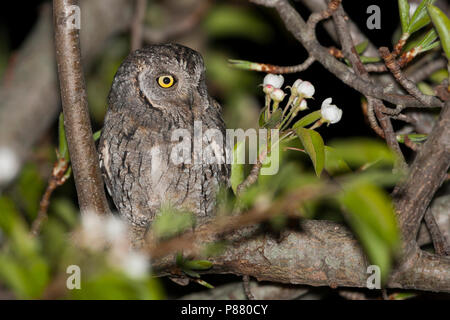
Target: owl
[[163, 137]]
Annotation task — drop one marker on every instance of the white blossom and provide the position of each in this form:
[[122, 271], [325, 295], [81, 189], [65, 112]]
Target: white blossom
[[273, 80], [9, 165], [135, 265], [412, 8], [297, 83], [306, 89], [330, 112], [277, 95], [115, 229]]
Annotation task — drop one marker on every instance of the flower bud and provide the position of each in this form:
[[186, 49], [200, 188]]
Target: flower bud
[[277, 95], [330, 112], [300, 104], [268, 89], [273, 80], [303, 105], [306, 89]]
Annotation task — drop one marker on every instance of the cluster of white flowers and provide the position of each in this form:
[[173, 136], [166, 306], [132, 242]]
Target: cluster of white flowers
[[272, 87], [300, 91], [100, 233]]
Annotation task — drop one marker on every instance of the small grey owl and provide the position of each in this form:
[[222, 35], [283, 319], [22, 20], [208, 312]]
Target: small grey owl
[[163, 137]]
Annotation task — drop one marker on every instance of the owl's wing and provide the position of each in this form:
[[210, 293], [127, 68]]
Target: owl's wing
[[104, 161], [225, 169]]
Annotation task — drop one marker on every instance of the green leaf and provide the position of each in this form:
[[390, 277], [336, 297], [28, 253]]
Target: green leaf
[[307, 120], [198, 264], [172, 221], [361, 47], [376, 249], [179, 259], [274, 119], [439, 76], [262, 117], [334, 162], [374, 206], [205, 284], [373, 219], [430, 46], [97, 135], [420, 17], [428, 39], [365, 59], [426, 88], [31, 186], [362, 151], [63, 149], [191, 273], [230, 21], [403, 295], [237, 169], [414, 137], [403, 8], [314, 146], [442, 24]]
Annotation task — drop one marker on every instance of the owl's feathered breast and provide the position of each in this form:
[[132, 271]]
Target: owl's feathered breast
[[139, 169]]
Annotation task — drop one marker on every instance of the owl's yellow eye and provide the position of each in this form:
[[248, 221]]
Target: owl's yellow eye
[[166, 81]]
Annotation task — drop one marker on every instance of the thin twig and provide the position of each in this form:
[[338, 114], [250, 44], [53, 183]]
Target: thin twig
[[316, 17], [391, 138], [247, 289], [409, 86], [269, 68], [427, 70], [140, 7], [83, 154], [57, 178], [251, 178], [372, 118], [440, 243]]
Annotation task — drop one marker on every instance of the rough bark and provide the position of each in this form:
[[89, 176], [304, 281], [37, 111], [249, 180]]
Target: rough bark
[[321, 253], [84, 157]]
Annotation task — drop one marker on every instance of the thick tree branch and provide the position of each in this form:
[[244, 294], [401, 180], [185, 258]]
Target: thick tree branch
[[428, 172], [83, 154], [321, 253]]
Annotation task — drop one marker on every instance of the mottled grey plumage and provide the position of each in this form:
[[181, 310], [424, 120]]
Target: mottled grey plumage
[[135, 145]]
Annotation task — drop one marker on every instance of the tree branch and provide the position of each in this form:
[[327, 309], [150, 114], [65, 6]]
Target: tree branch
[[83, 154], [321, 253], [428, 171], [137, 24]]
